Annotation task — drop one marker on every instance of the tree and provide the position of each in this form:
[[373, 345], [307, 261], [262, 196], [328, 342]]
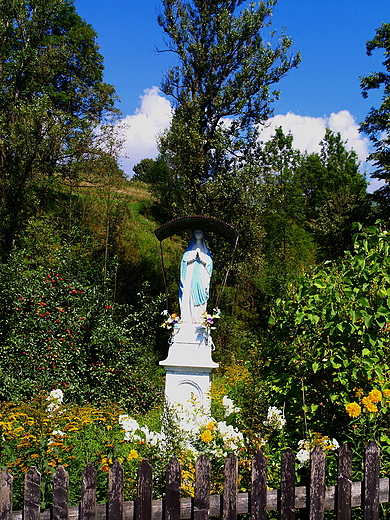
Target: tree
[[51, 99], [377, 123], [221, 86], [335, 193]]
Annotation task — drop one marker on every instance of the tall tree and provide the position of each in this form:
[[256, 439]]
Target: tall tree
[[377, 123], [52, 96], [335, 192], [221, 86], [287, 246]]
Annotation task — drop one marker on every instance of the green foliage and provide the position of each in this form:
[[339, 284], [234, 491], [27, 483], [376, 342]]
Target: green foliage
[[225, 70], [62, 330], [377, 123], [335, 195], [331, 336], [52, 98]]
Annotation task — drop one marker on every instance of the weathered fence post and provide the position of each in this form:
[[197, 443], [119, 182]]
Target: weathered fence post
[[5, 494], [287, 486], [88, 493], [230, 488], [258, 503], [60, 495], [202, 489], [115, 492], [144, 492], [172, 490], [317, 484], [344, 483], [371, 482], [32, 494]]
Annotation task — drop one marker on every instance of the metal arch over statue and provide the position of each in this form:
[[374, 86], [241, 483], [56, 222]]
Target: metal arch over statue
[[189, 363], [191, 266]]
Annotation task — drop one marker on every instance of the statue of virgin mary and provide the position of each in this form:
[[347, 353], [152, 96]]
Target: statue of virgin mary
[[195, 273]]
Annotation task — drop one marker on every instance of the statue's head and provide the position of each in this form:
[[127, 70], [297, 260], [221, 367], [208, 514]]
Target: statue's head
[[198, 234]]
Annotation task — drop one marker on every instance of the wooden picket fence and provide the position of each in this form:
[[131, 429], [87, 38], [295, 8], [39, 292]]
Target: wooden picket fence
[[311, 500]]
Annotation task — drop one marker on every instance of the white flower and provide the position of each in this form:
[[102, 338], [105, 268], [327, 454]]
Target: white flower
[[56, 395], [335, 444], [128, 423], [303, 456], [275, 419], [55, 399], [58, 432], [229, 406], [232, 437]]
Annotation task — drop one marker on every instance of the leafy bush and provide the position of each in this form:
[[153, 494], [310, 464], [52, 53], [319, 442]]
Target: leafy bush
[[59, 330], [330, 340]]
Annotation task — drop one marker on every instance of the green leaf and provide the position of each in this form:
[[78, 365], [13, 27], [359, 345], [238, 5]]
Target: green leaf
[[368, 320], [360, 261], [379, 373], [315, 366], [366, 352], [334, 363], [320, 284]]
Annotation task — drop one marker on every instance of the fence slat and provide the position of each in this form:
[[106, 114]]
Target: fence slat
[[32, 494], [88, 493], [202, 489], [60, 494], [172, 490], [258, 503], [371, 482], [317, 484], [230, 488], [115, 492], [5, 494], [143, 510], [344, 483], [287, 486]]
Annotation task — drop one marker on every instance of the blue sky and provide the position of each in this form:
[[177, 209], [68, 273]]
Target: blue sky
[[324, 90]]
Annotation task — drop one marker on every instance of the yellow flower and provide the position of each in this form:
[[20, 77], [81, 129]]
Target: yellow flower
[[211, 426], [132, 455], [353, 410], [375, 396], [369, 406], [206, 436], [386, 392], [358, 393]]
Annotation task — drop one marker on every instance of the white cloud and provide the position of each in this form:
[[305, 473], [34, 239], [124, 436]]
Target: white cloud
[[155, 114], [309, 131], [143, 127]]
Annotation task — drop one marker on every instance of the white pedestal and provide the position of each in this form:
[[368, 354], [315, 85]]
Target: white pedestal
[[188, 366]]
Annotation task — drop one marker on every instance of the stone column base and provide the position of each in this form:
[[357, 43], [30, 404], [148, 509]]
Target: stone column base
[[188, 366]]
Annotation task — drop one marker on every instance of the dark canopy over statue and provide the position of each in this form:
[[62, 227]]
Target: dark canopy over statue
[[198, 222]]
